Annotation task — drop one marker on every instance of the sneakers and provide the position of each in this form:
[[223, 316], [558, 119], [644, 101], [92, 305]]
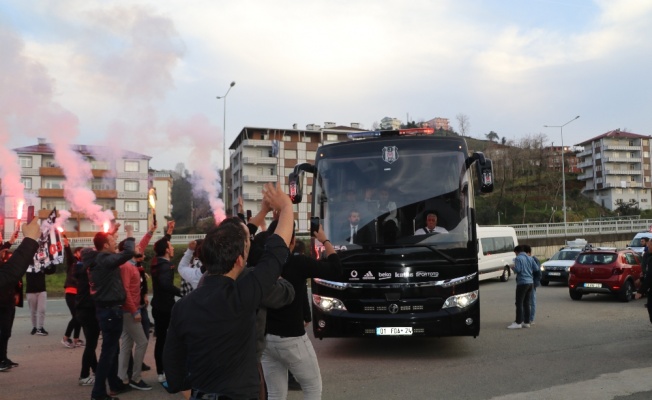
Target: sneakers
[[33, 331], [42, 332], [123, 388], [10, 363], [140, 385], [525, 325], [145, 367], [514, 325], [79, 343], [4, 366], [89, 381], [67, 343], [161, 378]]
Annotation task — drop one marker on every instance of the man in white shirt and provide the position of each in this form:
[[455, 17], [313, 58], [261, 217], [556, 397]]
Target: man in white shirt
[[431, 225]]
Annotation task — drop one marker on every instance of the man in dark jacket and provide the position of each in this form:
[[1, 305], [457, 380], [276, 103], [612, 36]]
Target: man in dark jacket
[[109, 295], [163, 298], [22, 257]]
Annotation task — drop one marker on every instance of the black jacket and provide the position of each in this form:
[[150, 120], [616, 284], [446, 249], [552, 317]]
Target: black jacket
[[104, 274], [163, 285], [16, 266], [71, 262], [83, 298]]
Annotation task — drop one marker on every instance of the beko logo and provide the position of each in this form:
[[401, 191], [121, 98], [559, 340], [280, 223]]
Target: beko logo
[[384, 275]]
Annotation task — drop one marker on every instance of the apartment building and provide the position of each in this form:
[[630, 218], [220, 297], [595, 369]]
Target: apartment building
[[162, 182], [439, 123], [261, 155], [616, 166], [553, 154], [120, 185]]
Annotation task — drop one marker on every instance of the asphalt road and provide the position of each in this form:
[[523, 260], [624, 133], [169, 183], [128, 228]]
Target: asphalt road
[[596, 348]]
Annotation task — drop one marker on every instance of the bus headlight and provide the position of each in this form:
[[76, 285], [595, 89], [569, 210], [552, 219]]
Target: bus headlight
[[328, 303], [461, 300]]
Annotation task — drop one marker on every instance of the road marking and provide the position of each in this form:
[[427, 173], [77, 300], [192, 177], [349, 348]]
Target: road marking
[[604, 387]]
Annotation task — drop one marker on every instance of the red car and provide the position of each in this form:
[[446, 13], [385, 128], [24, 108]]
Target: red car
[[608, 271]]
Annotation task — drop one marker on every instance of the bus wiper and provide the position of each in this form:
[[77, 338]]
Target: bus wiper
[[429, 247]]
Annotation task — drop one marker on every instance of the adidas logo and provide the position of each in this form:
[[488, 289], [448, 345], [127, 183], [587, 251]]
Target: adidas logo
[[369, 275]]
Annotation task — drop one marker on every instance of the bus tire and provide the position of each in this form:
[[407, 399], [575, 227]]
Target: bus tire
[[506, 274]]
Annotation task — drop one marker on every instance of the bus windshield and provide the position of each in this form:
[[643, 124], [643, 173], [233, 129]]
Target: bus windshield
[[389, 198]]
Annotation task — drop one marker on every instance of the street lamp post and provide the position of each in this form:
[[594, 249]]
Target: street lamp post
[[224, 194], [563, 168]]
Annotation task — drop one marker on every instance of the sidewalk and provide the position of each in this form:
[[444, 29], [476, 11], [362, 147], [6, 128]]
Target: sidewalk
[[48, 370]]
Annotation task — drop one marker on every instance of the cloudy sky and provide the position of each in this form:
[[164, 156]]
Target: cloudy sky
[[138, 74]]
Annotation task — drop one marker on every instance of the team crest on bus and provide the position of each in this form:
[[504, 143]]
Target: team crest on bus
[[390, 154]]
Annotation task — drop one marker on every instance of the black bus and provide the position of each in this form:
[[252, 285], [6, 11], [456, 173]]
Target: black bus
[[375, 195]]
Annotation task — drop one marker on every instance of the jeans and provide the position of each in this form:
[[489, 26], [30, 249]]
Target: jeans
[[88, 320], [37, 303], [161, 323], [523, 303], [297, 355], [73, 325], [7, 315], [533, 303], [110, 320]]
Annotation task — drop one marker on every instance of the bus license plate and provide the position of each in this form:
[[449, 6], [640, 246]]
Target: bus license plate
[[593, 285], [394, 331], [554, 273]]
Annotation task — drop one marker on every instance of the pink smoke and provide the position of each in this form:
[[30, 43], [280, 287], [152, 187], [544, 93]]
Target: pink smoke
[[197, 132]]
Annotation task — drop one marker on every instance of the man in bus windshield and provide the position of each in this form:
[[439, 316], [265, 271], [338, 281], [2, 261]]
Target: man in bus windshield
[[431, 225]]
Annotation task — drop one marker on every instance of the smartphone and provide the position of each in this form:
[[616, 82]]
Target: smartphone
[[248, 215], [30, 214], [314, 225]]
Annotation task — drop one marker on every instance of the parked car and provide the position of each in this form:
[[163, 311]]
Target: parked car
[[556, 268], [603, 270]]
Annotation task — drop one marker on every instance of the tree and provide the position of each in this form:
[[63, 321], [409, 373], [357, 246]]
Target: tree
[[493, 136], [463, 123], [627, 208]]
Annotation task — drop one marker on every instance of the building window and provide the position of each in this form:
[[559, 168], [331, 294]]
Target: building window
[[291, 154], [131, 206], [131, 186], [103, 165], [286, 138], [25, 162], [27, 182], [135, 224], [53, 184], [132, 166], [331, 138]]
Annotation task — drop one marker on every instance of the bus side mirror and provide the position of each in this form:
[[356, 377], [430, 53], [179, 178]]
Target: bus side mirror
[[485, 175], [295, 181]]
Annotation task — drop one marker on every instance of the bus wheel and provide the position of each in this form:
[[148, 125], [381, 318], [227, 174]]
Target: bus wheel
[[506, 274]]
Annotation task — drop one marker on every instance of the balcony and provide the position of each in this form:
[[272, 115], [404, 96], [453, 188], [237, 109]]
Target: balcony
[[256, 143], [622, 147], [621, 159], [29, 171], [584, 153], [620, 186], [610, 171], [585, 164], [132, 215], [50, 193], [132, 175], [260, 178], [584, 177], [252, 196], [132, 195], [259, 160], [56, 171]]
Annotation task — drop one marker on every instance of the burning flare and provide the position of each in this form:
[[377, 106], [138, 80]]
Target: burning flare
[[19, 214], [106, 225]]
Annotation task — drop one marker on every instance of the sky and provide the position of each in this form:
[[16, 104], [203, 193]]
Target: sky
[[144, 75]]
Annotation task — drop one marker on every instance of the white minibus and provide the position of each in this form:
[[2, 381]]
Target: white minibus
[[496, 252]]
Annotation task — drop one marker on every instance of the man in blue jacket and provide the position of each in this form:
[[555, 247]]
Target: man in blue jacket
[[524, 281]]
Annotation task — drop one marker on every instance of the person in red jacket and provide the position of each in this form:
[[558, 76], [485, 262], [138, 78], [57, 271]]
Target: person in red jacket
[[132, 330]]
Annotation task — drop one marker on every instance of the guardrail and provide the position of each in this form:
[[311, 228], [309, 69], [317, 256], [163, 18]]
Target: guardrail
[[580, 229]]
